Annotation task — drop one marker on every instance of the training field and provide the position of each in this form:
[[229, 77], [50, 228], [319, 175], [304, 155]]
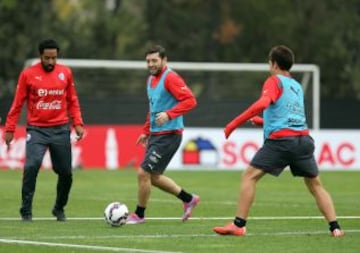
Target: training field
[[284, 217]]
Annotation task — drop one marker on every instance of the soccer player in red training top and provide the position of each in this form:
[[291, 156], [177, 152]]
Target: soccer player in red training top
[[287, 142], [50, 93], [169, 99]]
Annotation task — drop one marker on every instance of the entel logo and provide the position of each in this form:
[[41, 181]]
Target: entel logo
[[52, 92], [42, 92]]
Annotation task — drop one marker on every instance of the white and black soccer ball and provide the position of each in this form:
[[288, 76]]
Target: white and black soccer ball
[[116, 214]]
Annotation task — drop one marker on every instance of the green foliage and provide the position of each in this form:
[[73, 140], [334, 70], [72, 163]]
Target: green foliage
[[321, 32], [18, 33]]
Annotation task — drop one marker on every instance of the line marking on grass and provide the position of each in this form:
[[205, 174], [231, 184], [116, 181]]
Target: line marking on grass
[[161, 236], [300, 233], [79, 246], [192, 218], [284, 233]]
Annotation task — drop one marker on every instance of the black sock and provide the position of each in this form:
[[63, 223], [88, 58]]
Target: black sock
[[140, 211], [334, 225], [240, 222], [184, 196]]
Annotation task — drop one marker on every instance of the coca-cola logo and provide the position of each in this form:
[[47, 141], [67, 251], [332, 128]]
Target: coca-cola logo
[[53, 105]]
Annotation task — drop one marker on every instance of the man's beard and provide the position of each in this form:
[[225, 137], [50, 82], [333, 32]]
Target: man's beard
[[157, 72], [48, 67]]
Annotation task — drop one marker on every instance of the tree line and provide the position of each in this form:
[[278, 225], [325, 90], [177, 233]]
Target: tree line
[[324, 32]]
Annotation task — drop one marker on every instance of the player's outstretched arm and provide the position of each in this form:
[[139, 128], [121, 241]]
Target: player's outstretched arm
[[259, 106]]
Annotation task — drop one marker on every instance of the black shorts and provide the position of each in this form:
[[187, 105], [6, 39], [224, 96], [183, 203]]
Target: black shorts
[[159, 152], [296, 152]]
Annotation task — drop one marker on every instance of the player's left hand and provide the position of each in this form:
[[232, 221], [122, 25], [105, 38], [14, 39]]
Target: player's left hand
[[79, 132], [161, 118], [256, 121]]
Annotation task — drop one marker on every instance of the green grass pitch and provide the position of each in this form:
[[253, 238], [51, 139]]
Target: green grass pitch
[[284, 217]]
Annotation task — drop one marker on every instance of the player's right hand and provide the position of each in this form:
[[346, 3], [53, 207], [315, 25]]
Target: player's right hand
[[228, 130]]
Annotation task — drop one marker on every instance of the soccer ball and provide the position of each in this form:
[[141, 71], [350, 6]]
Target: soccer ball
[[116, 214]]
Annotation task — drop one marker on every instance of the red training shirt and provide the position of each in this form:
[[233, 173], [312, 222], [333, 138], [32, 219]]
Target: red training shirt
[[50, 97]]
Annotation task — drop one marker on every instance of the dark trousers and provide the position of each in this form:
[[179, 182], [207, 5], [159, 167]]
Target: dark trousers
[[57, 140]]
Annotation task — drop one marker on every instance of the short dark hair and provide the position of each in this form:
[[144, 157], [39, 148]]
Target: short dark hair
[[156, 49], [48, 44], [283, 56]]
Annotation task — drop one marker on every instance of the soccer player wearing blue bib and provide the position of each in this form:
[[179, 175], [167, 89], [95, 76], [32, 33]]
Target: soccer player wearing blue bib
[[287, 142], [169, 99]]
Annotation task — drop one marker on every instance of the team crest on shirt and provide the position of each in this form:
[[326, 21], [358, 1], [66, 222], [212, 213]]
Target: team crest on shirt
[[61, 76]]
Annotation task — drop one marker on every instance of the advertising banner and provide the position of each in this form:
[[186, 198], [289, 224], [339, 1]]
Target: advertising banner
[[103, 147], [206, 148], [114, 146]]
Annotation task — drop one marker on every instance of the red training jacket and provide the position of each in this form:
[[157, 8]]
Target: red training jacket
[[50, 97]]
